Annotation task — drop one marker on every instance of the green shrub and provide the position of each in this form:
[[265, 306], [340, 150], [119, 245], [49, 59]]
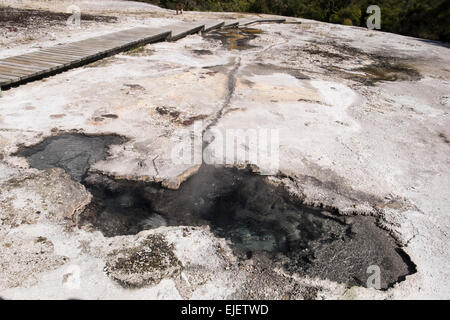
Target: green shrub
[[349, 15]]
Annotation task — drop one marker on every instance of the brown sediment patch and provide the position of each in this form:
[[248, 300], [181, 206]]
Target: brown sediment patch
[[165, 110], [376, 66], [187, 121], [139, 52], [388, 72], [374, 73], [229, 110], [444, 138], [178, 117], [102, 63], [234, 38], [57, 116], [96, 120], [134, 86], [310, 101], [110, 116]]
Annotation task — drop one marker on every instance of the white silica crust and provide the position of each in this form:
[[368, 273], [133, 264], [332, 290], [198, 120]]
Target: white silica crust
[[363, 121]]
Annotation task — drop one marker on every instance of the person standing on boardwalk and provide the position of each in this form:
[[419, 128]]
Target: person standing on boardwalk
[[180, 6]]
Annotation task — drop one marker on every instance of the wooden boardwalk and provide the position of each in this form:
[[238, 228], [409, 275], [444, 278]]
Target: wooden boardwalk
[[45, 62]]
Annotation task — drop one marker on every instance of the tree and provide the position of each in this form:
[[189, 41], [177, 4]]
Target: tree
[[348, 15], [420, 18]]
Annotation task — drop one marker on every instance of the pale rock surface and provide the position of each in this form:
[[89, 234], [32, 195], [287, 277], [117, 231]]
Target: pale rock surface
[[379, 148]]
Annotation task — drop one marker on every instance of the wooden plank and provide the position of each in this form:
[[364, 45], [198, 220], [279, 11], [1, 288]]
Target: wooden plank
[[214, 25], [183, 30], [110, 44], [70, 57], [231, 24], [31, 61], [247, 22], [5, 82], [21, 66], [65, 51], [94, 48], [30, 57], [75, 46], [73, 52], [25, 62], [124, 37], [50, 57], [152, 38], [74, 56], [14, 77], [11, 71], [102, 41], [6, 76], [102, 46], [30, 70], [53, 67]]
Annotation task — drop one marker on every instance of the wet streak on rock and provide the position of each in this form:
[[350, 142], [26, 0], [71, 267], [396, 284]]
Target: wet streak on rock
[[231, 88], [255, 213]]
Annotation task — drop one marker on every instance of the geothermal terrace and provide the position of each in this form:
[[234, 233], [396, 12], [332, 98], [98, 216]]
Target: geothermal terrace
[[117, 179]]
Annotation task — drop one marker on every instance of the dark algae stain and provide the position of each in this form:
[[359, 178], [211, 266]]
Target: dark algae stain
[[146, 264], [74, 153]]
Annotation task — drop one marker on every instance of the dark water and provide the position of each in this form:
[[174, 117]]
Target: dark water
[[256, 217]]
